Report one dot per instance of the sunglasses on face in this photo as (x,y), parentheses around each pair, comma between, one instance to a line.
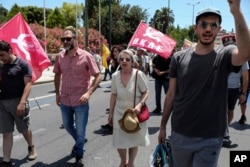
(204,25)
(126,59)
(67,39)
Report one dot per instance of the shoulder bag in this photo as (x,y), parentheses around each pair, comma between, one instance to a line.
(144,113)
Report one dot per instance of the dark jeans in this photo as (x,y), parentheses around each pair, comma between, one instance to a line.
(159,83)
(107,72)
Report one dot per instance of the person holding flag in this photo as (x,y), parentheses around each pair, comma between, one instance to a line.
(15,86)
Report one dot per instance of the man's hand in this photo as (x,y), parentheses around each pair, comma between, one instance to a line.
(58,99)
(234,5)
(20,109)
(162,136)
(84,98)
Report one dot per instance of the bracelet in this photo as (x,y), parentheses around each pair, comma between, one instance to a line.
(243,94)
(142,103)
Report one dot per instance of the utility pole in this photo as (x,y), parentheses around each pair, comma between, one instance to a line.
(110,24)
(86,24)
(193,17)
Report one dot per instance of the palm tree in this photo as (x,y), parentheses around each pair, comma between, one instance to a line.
(163,19)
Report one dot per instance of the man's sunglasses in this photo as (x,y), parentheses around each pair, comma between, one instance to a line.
(67,39)
(126,59)
(204,25)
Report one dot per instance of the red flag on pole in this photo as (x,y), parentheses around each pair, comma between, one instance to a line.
(153,40)
(25,44)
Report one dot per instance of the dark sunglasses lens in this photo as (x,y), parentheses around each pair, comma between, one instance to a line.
(203,25)
(67,39)
(126,59)
(213,25)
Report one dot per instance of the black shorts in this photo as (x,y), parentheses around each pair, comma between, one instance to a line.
(233,95)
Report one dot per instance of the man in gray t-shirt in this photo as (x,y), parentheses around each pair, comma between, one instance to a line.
(197,94)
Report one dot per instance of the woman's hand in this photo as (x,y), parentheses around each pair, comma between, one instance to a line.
(110,120)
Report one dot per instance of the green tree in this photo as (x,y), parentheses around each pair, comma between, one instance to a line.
(162,19)
(14,10)
(132,17)
(124,21)
(72,13)
(179,35)
(33,14)
(56,19)
(3,14)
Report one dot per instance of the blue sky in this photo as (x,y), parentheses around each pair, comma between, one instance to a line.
(183,12)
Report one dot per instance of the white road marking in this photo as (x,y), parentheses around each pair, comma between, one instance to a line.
(20,136)
(41,106)
(41,97)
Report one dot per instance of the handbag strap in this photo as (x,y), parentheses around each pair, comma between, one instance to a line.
(135,86)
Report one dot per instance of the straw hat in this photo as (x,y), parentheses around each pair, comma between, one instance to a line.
(129,122)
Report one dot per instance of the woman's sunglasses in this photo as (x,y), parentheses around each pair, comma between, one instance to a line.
(126,59)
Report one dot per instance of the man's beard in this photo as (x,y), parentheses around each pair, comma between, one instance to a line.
(70,47)
(207,43)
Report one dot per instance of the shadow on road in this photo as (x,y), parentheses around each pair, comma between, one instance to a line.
(62,162)
(238,126)
(103,132)
(153,130)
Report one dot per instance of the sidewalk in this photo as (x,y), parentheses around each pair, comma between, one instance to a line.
(47,76)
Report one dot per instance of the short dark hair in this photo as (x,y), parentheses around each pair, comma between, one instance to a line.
(4,46)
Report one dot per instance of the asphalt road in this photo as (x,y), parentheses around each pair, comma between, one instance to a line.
(54,145)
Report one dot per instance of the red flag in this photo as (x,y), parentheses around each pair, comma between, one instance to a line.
(153,40)
(25,44)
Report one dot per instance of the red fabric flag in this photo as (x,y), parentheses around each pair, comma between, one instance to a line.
(153,40)
(25,44)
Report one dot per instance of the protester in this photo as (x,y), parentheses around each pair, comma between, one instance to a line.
(75,67)
(113,61)
(234,93)
(160,74)
(141,59)
(15,86)
(114,66)
(95,52)
(243,105)
(236,89)
(107,72)
(197,94)
(122,98)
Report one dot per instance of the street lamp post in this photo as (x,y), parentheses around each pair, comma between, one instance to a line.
(44,20)
(193,17)
(168,15)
